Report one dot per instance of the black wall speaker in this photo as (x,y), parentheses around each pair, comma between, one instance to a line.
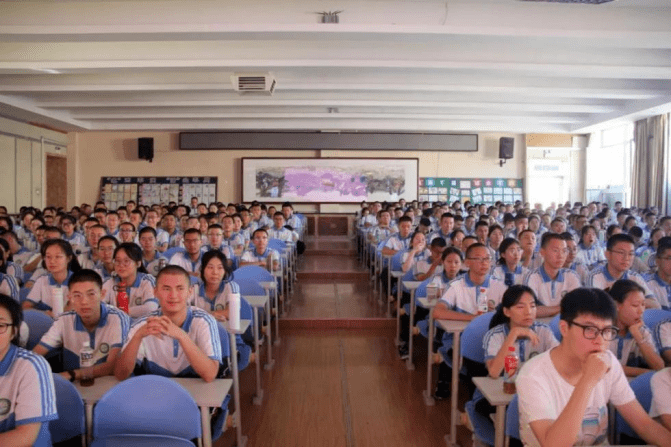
(506,148)
(145,148)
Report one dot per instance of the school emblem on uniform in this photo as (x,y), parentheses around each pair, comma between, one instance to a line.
(5,406)
(138,300)
(219,307)
(104,348)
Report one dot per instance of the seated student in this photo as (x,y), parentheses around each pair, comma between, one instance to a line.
(446,227)
(91,321)
(126,232)
(635,347)
(563,393)
(645,254)
(26,385)
(396,242)
(551,281)
(175,341)
(590,252)
(457,239)
(290,218)
(88,256)
(169,225)
(495,236)
(572,263)
(8,284)
(134,279)
(77,240)
(433,264)
(191,258)
(152,259)
(60,262)
(162,238)
(660,281)
(508,268)
(660,408)
(278,231)
(20,255)
(482,232)
(619,257)
(215,237)
(13,269)
(382,230)
(105,265)
(416,252)
(230,237)
(259,254)
(531,259)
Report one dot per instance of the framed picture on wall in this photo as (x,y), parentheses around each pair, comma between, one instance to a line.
(329,180)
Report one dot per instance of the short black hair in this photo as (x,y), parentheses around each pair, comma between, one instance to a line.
(623,287)
(438,242)
(15,313)
(86,275)
(550,236)
(147,230)
(172,269)
(404,219)
(587,301)
(473,247)
(617,238)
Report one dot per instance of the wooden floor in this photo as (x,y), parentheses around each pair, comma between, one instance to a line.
(340,387)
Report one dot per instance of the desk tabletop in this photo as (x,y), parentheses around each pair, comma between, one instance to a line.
(244,324)
(412,285)
(205,394)
(256,300)
(425,302)
(268,284)
(452,325)
(492,389)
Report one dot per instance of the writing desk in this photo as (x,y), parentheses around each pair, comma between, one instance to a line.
(259,302)
(492,390)
(428,397)
(412,286)
(272,285)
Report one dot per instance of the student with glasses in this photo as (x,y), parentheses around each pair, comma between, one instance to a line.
(634,347)
(508,268)
(105,265)
(564,393)
(132,276)
(26,385)
(620,253)
(551,281)
(126,232)
(660,281)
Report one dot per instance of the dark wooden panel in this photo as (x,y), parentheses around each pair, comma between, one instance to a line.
(311,225)
(57,181)
(332,226)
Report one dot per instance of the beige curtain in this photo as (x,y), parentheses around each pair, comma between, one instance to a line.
(650,170)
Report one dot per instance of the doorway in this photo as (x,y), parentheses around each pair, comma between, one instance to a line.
(57,181)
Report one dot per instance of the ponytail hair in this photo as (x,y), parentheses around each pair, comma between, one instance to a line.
(510,298)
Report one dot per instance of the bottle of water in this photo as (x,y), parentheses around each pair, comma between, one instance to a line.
(511,364)
(86,363)
(122,297)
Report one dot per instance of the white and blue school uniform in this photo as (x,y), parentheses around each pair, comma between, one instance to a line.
(76,240)
(602,279)
(646,256)
(141,300)
(184,260)
(295,222)
(496,336)
(220,302)
(100,269)
(463,296)
(15,270)
(27,393)
(380,234)
(41,293)
(175,239)
(252,256)
(549,292)
(283,234)
(503,273)
(22,256)
(395,242)
(436,234)
(165,357)
(628,351)
(662,335)
(68,332)
(660,289)
(225,249)
(9,286)
(162,237)
(244,234)
(239,239)
(590,256)
(153,266)
(420,263)
(581,269)
(535,261)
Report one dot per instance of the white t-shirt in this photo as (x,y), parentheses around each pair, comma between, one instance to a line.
(661,393)
(543,394)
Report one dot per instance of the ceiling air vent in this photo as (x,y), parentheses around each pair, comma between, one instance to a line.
(254,83)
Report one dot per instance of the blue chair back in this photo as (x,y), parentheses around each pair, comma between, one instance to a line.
(277,244)
(254,272)
(471,339)
(397,262)
(652,317)
(408,276)
(142,441)
(421,290)
(554,325)
(70,422)
(38,323)
(513,419)
(641,387)
(170,252)
(250,287)
(23,294)
(225,342)
(147,405)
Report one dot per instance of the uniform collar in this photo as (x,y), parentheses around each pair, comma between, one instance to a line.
(52,281)
(79,324)
(9,359)
(546,277)
(469,283)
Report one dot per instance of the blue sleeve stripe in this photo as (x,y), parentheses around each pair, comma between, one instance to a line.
(43,371)
(214,331)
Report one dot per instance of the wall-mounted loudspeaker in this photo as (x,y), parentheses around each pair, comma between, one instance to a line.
(145,149)
(506,148)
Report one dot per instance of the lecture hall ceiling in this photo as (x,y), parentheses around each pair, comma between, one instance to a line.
(455,66)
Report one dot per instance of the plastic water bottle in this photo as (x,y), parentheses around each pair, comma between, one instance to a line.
(511,364)
(56,300)
(86,364)
(234,312)
(483,307)
(122,297)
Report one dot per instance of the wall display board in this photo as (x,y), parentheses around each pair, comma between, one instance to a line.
(477,190)
(329,180)
(116,191)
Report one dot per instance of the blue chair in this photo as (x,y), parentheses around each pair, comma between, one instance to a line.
(554,325)
(423,325)
(254,272)
(142,441)
(513,419)
(70,422)
(147,405)
(23,294)
(170,252)
(39,323)
(225,342)
(652,317)
(641,387)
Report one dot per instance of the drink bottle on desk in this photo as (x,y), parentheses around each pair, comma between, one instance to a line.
(511,364)
(86,363)
(122,297)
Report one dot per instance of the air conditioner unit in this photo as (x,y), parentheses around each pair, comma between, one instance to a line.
(254,83)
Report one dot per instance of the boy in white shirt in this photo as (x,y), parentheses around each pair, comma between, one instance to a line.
(563,393)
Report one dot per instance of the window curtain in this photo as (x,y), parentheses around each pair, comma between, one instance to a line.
(650,170)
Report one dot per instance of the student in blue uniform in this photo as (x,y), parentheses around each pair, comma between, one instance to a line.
(660,281)
(508,268)
(8,284)
(26,385)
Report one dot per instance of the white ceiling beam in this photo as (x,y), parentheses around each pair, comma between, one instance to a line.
(562,108)
(28,111)
(633,112)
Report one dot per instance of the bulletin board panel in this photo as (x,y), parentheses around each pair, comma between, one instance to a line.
(477,190)
(116,191)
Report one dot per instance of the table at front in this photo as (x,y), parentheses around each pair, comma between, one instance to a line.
(454,327)
(206,395)
(492,390)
